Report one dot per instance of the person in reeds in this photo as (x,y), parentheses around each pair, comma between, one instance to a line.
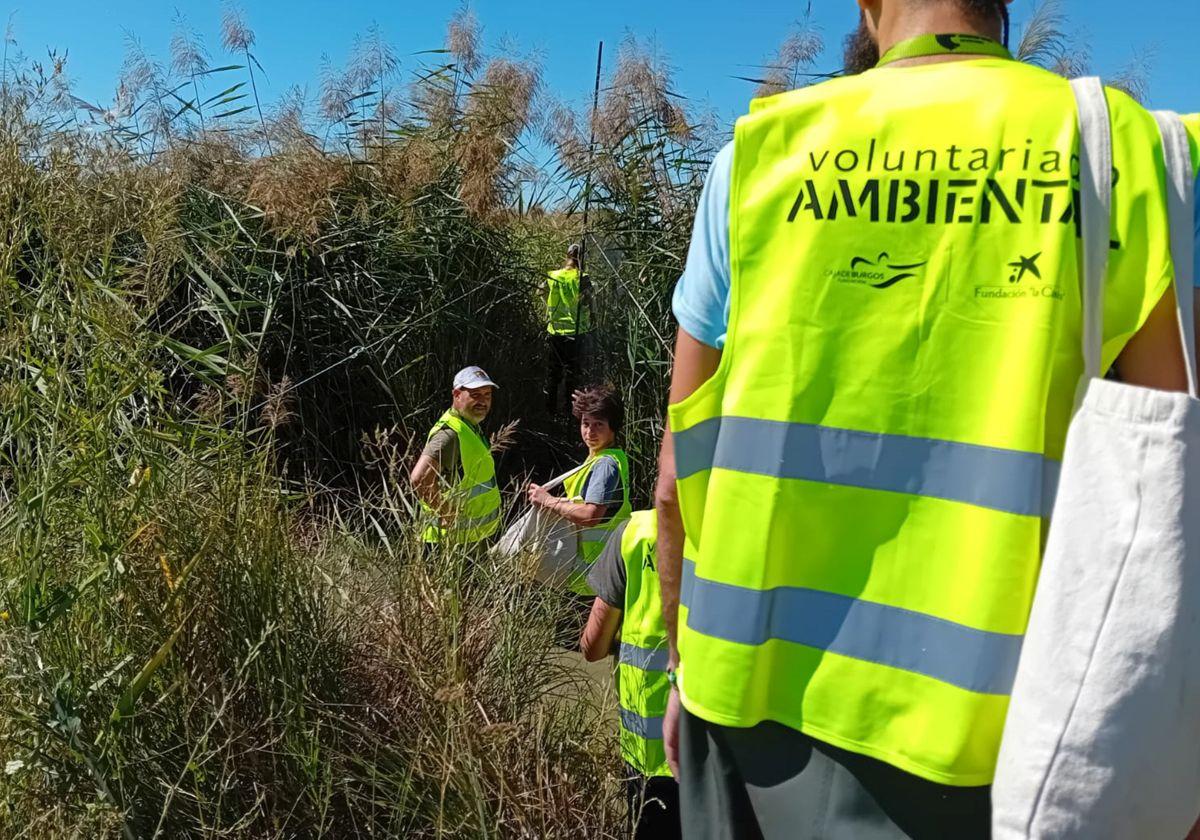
(567,321)
(455,477)
(596,496)
(629,603)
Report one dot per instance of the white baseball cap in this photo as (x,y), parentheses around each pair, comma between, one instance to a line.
(473,377)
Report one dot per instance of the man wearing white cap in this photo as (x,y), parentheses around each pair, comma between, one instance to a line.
(455,477)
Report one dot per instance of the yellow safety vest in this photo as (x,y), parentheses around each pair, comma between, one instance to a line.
(865,482)
(1192,123)
(564,307)
(475,496)
(593,538)
(642,684)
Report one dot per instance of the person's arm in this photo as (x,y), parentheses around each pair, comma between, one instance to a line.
(600,630)
(1196,302)
(1196,321)
(583,514)
(701,306)
(602,489)
(607,580)
(695,364)
(424,478)
(426,475)
(1153,358)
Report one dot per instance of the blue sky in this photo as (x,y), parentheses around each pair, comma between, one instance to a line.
(708,43)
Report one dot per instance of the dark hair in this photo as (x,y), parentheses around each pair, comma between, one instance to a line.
(601,401)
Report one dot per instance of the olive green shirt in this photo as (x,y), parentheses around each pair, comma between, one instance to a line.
(443,449)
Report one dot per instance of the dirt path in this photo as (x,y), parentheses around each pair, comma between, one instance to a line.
(594,679)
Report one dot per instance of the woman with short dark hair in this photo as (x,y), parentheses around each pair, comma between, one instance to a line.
(597,494)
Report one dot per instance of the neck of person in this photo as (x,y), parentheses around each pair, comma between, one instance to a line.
(900,22)
(462,415)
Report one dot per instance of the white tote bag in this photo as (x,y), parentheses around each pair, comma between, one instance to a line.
(551,540)
(1102,739)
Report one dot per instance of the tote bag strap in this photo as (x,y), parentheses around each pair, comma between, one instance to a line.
(559,480)
(1181,206)
(1095,198)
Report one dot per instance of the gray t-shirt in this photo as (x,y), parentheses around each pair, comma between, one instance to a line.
(607,575)
(603,487)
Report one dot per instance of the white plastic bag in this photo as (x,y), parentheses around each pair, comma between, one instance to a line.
(550,540)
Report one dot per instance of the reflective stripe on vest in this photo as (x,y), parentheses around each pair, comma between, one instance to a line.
(480,489)
(647,728)
(593,538)
(953,653)
(866,481)
(473,522)
(642,686)
(1017,482)
(645,659)
(475,496)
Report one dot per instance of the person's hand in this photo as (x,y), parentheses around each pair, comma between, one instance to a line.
(539,496)
(671,731)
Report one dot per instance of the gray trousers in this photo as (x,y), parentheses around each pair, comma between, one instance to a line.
(770,781)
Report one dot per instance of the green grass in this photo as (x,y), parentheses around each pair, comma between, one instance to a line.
(223,340)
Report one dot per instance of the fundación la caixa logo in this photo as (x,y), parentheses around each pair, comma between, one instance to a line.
(1024,281)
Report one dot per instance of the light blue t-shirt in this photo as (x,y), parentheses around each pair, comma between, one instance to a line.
(701,300)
